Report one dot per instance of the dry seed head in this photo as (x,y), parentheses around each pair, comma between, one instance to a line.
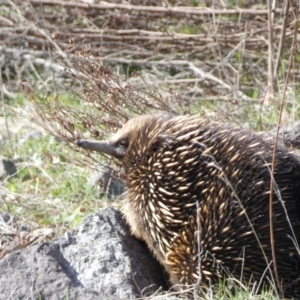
(193,183)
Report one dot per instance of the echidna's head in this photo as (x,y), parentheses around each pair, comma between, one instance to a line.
(137,130)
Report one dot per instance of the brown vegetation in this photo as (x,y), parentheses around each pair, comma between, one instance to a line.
(176,57)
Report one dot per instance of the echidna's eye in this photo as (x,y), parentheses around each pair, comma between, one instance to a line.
(120,148)
(123,143)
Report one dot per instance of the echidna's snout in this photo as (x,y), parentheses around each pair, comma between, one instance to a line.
(98,146)
(114,149)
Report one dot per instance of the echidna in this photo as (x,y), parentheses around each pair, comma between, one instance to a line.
(198,188)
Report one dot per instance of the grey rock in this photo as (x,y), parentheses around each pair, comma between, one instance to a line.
(7,168)
(98,260)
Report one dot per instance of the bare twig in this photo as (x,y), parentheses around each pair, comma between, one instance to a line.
(205,75)
(279,285)
(199,252)
(282,35)
(271,85)
(159,9)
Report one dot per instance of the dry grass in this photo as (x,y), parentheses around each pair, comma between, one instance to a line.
(87,71)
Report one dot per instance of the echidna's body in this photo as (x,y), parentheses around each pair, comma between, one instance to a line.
(178,165)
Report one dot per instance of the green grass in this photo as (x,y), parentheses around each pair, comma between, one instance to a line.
(55,190)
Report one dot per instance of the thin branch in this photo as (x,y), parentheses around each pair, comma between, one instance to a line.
(279,285)
(208,76)
(158,9)
(270,49)
(282,35)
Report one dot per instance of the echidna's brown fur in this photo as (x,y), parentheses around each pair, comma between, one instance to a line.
(177,166)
